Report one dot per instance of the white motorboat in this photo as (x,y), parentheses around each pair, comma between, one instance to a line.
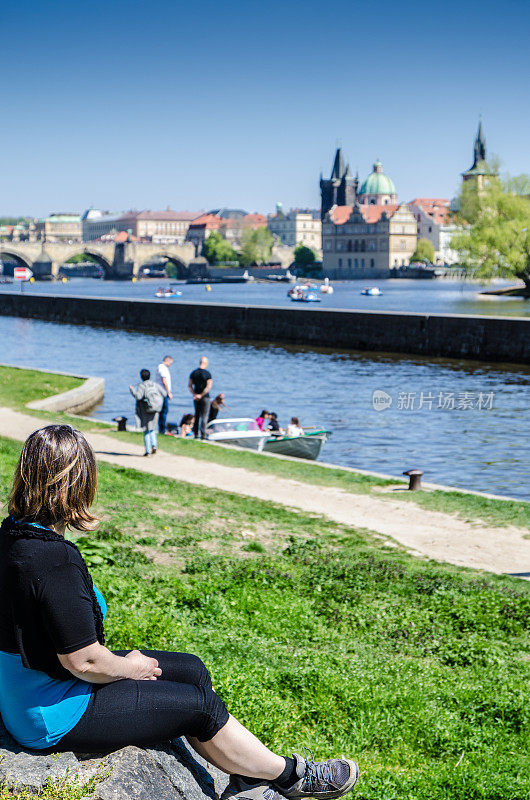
(372,291)
(242,432)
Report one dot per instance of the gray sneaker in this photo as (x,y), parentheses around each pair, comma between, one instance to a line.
(240,789)
(324,779)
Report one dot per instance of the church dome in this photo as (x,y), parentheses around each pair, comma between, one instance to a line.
(377,182)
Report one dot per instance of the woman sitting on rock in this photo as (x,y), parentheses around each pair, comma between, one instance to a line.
(62,689)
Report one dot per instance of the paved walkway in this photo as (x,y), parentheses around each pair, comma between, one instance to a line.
(443,537)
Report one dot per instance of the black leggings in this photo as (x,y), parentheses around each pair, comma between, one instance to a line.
(179,703)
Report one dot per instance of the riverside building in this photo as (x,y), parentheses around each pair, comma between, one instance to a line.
(372,234)
(63,227)
(298,226)
(160,227)
(433,218)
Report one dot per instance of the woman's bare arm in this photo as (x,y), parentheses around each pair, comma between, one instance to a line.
(97,664)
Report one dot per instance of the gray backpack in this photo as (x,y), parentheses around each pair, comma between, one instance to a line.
(153,398)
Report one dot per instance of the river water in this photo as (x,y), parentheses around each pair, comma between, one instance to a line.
(431,296)
(464,423)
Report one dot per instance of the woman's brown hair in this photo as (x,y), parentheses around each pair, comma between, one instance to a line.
(55,479)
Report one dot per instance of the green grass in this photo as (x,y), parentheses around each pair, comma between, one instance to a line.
(466,506)
(318,635)
(21,386)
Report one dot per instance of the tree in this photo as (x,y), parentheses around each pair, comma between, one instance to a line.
(496,240)
(217,250)
(81,258)
(424,251)
(256,246)
(304,256)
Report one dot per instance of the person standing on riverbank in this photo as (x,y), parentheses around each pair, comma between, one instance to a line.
(149,398)
(199,384)
(163,379)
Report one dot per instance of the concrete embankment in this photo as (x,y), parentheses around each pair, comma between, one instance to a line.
(500,339)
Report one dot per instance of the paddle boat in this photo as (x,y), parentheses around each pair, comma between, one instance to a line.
(307,446)
(326,287)
(167,292)
(303,294)
(371,291)
(240,432)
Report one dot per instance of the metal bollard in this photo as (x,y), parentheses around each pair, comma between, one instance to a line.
(122,423)
(415,478)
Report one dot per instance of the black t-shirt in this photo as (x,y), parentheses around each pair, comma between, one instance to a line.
(46,603)
(199,378)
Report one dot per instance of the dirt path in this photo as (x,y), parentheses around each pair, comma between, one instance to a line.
(440,536)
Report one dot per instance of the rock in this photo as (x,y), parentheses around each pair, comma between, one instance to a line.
(30,772)
(169,771)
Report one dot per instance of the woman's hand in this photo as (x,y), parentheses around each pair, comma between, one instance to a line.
(144,667)
(98,664)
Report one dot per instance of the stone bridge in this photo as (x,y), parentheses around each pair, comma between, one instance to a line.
(120,261)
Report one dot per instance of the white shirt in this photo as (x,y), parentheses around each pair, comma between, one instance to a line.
(294,430)
(162,371)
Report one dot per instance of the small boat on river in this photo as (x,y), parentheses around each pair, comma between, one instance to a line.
(167,292)
(241,432)
(326,287)
(303,294)
(307,446)
(371,291)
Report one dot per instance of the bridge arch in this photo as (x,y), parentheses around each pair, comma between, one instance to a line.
(13,255)
(103,262)
(181,266)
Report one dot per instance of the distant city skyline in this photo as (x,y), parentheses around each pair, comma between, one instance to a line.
(128,105)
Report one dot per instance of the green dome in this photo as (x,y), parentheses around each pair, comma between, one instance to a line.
(377,182)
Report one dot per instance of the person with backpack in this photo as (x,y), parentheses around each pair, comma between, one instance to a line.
(149,398)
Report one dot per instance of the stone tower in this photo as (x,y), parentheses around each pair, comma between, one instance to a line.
(340,189)
(479,170)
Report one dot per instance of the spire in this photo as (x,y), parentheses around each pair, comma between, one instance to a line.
(480,145)
(338,166)
(479,148)
(348,172)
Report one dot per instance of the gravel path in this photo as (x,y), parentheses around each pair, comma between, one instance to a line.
(443,537)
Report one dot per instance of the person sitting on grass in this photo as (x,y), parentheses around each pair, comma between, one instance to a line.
(61,688)
(150,398)
(186,425)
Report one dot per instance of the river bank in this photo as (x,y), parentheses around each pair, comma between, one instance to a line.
(466,530)
(323,387)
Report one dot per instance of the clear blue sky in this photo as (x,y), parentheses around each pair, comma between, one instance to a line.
(195,105)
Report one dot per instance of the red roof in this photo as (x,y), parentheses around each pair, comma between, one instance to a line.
(437,207)
(248,221)
(371,213)
(340,214)
(207,220)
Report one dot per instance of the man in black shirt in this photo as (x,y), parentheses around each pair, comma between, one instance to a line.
(199,384)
